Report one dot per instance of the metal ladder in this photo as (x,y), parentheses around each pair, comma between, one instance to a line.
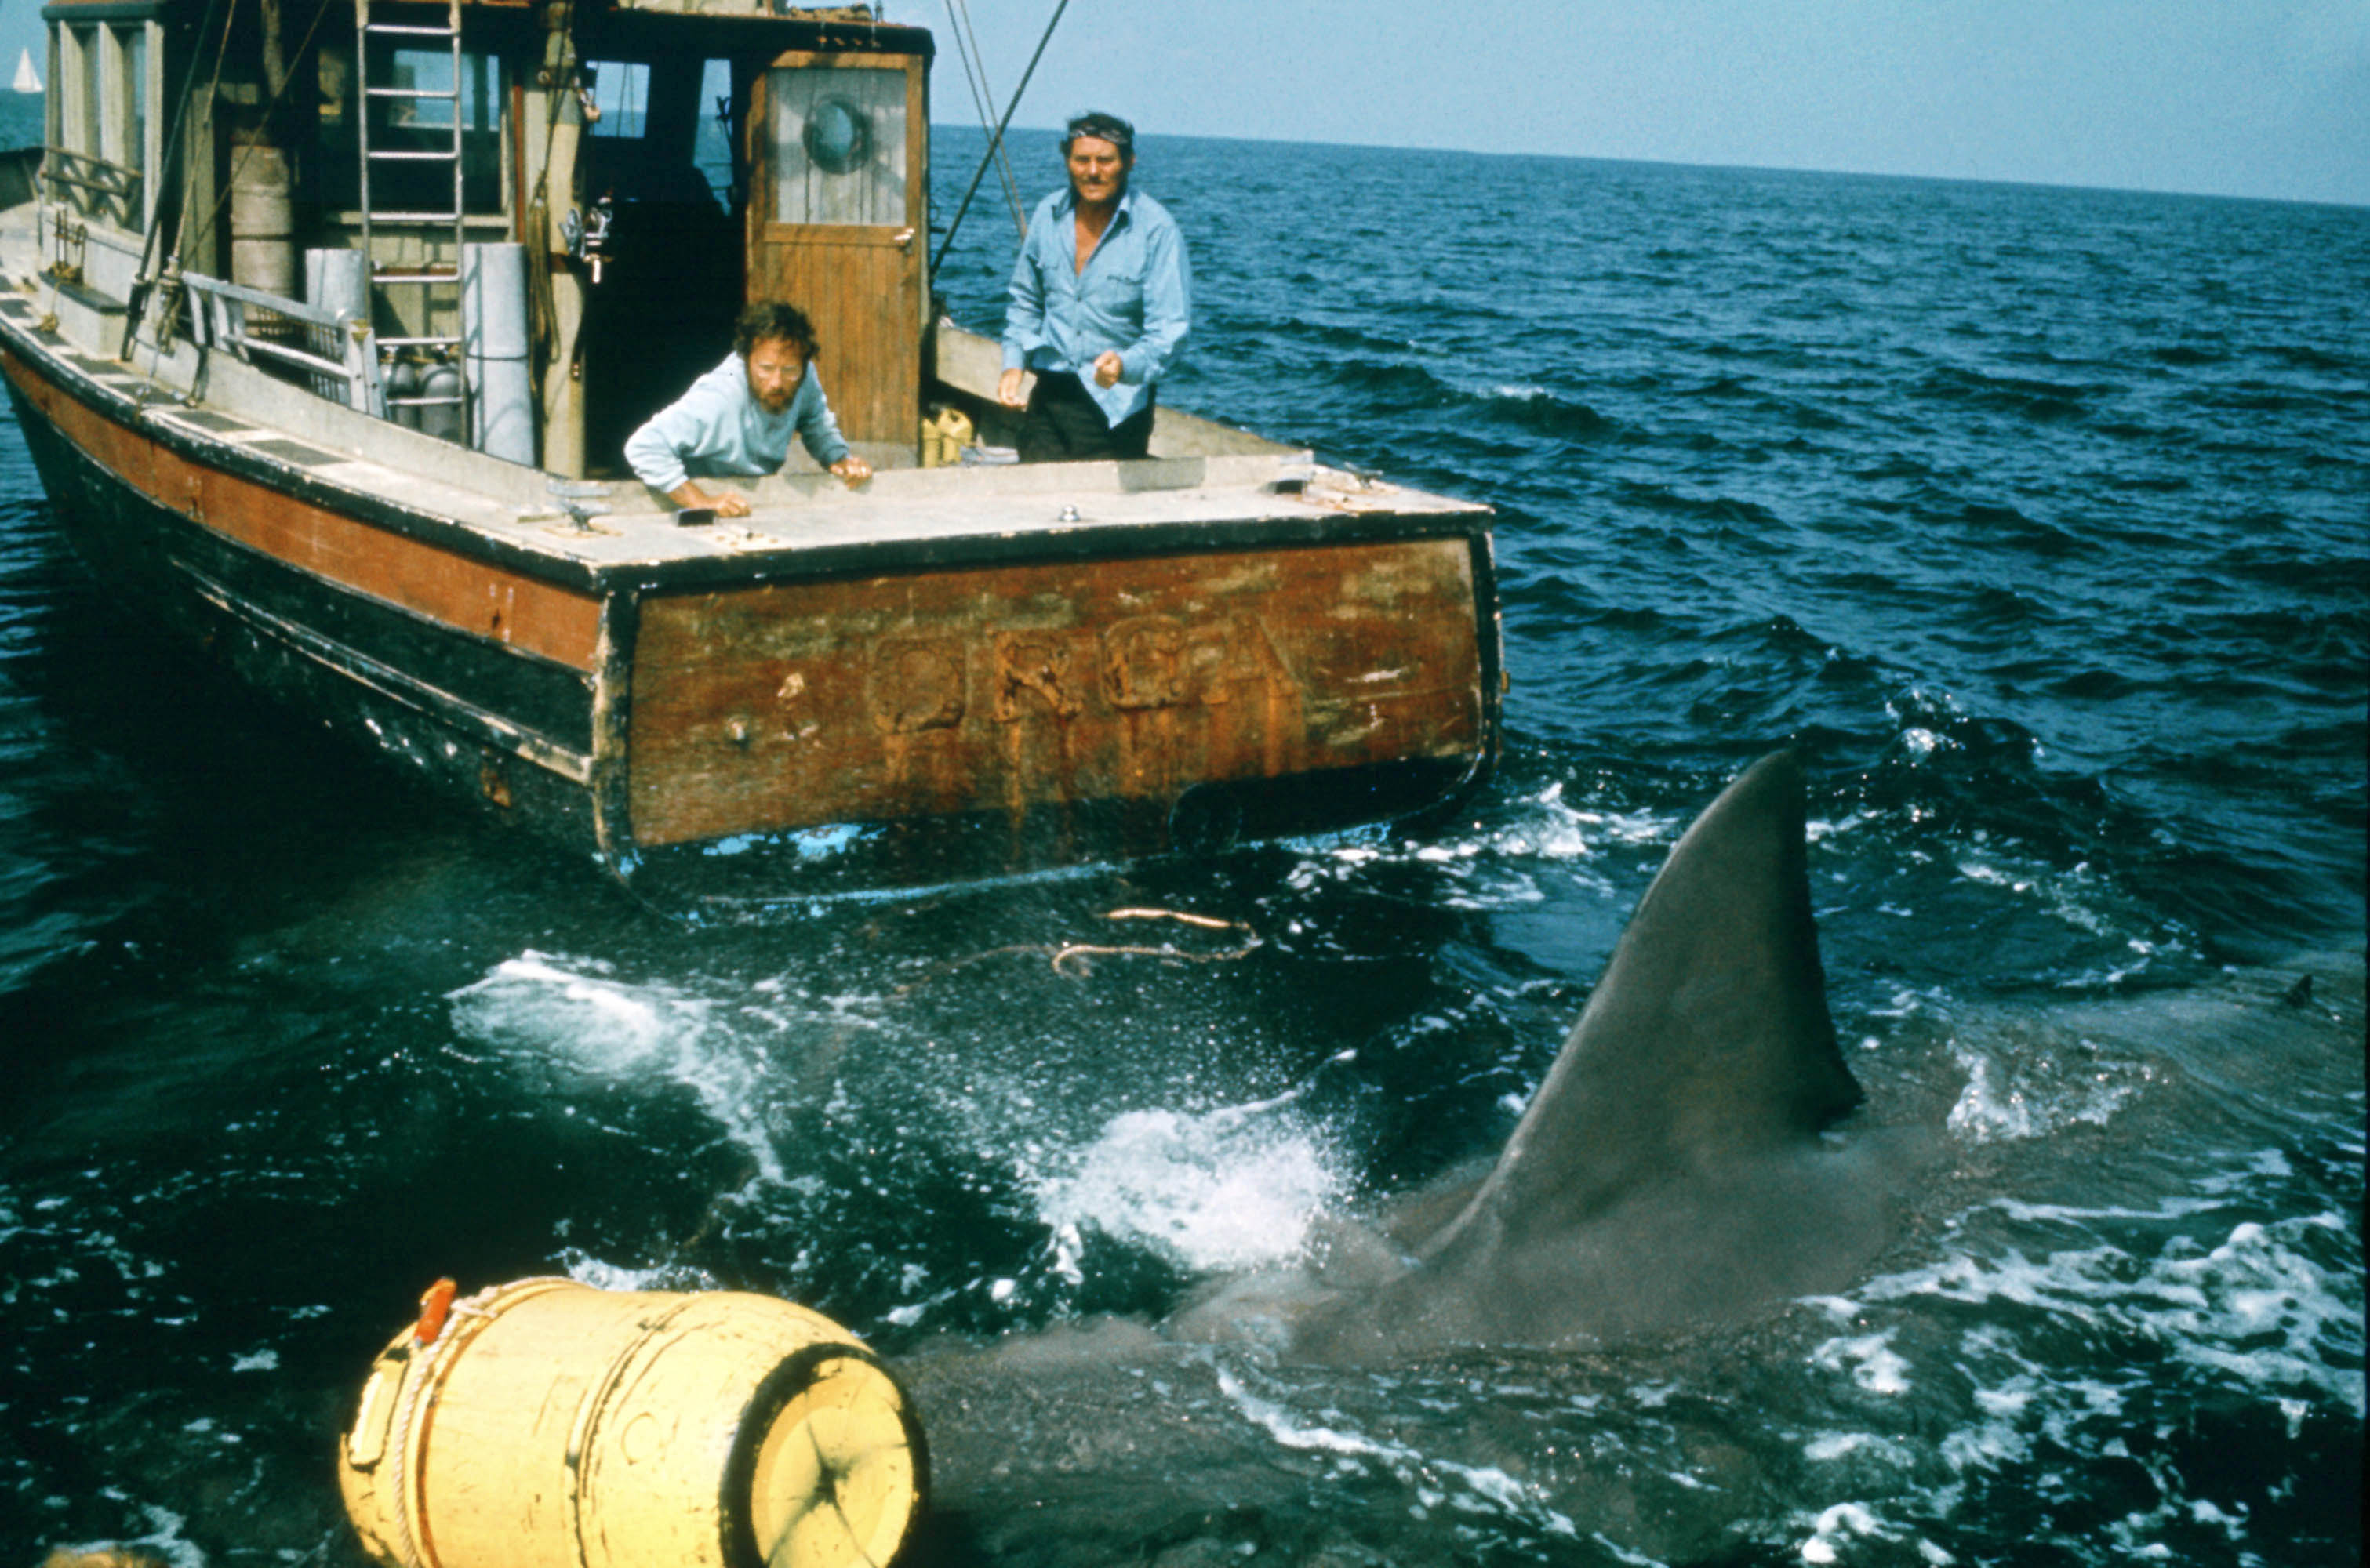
(435,285)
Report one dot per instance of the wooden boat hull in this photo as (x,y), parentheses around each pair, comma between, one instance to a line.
(358,624)
(981,706)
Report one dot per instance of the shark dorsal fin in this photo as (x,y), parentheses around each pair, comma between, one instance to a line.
(1708,1037)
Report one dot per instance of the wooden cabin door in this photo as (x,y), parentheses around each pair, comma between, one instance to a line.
(839,224)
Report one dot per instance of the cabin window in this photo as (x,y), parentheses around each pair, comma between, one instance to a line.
(839,145)
(92,79)
(134,75)
(621,96)
(421,126)
(99,121)
(712,147)
(656,137)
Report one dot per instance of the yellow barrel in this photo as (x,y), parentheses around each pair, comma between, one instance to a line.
(548,1424)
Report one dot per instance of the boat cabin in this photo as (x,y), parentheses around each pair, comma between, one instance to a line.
(663,160)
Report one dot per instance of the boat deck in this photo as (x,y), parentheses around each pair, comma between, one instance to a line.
(217,410)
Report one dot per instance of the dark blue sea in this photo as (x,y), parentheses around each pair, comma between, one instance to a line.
(2038,518)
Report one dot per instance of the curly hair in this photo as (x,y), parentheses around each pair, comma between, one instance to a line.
(771,318)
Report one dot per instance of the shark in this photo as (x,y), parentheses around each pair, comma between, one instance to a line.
(1691,1155)
(1686,1157)
(1698,1157)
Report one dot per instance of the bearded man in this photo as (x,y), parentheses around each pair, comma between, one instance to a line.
(739,418)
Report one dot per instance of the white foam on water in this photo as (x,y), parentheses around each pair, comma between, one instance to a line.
(1830,1446)
(1227,1189)
(1844,1526)
(1485,864)
(2073,896)
(1553,828)
(1873,1363)
(601,1275)
(2257,1309)
(163,1539)
(1837,1526)
(1624,1555)
(1485,1489)
(2262,1164)
(576,1013)
(1986,1445)
(2027,1096)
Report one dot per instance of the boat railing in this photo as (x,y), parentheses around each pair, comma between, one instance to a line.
(337,350)
(94,187)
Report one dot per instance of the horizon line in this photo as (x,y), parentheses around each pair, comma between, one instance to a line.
(2352,204)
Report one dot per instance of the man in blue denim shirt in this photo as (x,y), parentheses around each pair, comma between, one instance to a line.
(1099,301)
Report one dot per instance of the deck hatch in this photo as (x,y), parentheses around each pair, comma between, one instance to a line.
(297,452)
(207,419)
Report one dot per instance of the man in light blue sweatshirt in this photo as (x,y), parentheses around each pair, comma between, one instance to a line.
(739,418)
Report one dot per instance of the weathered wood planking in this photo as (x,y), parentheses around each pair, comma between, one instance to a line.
(1015,688)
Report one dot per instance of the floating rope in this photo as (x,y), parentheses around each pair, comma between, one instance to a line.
(1062,953)
(288,78)
(141,283)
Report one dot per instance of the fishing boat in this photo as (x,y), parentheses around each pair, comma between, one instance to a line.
(327,321)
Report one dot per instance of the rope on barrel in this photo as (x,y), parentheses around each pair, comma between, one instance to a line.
(430,1348)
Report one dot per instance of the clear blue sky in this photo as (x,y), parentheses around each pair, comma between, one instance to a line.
(2238,98)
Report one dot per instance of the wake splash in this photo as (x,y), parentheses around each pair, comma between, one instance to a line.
(576,1015)
(1202,1190)
(1222,1190)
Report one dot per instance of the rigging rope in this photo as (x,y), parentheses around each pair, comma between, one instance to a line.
(269,109)
(982,98)
(141,282)
(542,302)
(996,140)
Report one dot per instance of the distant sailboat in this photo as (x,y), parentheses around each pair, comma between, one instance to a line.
(27,82)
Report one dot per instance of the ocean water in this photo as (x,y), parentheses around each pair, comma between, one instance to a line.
(2036,517)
